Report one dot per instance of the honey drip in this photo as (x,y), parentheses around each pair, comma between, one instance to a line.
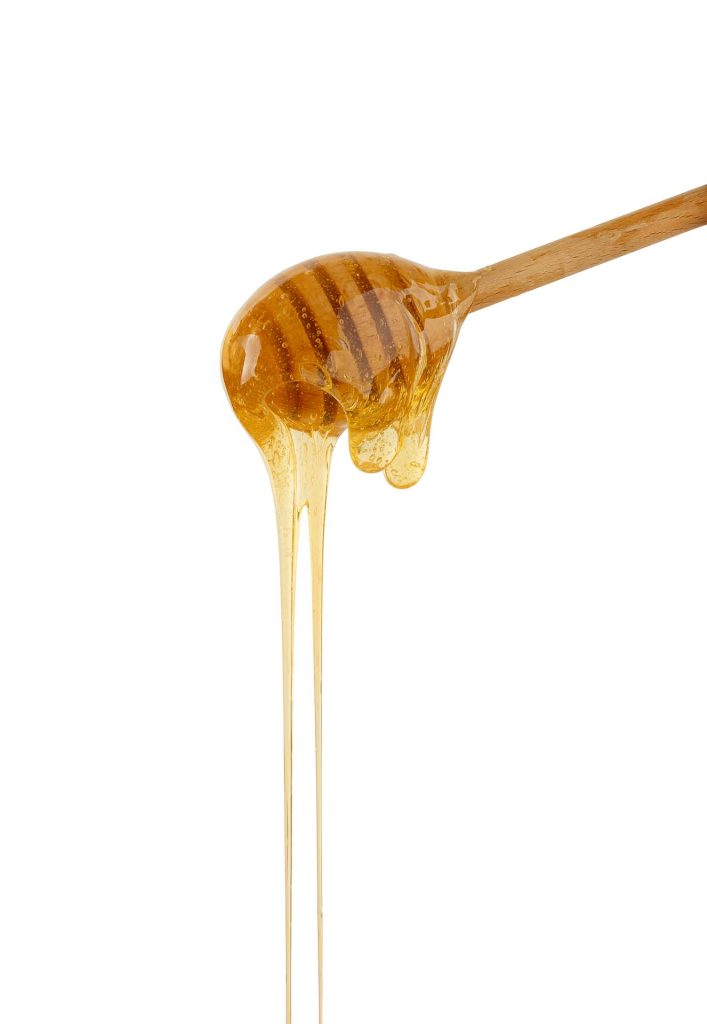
(358,341)
(297,483)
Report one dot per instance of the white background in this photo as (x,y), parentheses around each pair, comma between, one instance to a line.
(515,657)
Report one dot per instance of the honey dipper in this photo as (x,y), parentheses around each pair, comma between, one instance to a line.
(362,340)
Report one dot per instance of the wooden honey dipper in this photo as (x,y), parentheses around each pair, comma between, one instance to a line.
(362,340)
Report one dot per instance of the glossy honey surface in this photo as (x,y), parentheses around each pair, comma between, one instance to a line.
(355,340)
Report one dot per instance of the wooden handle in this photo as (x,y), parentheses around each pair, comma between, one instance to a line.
(589,248)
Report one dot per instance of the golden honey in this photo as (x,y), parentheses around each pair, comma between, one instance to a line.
(358,341)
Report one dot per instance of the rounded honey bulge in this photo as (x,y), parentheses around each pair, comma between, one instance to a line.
(353,340)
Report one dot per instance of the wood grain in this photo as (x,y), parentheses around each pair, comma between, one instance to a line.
(591,247)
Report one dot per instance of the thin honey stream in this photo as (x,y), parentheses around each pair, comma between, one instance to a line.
(299,484)
(355,341)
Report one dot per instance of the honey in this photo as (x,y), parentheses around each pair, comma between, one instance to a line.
(357,341)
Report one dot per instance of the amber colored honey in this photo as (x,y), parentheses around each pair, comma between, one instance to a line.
(354,341)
